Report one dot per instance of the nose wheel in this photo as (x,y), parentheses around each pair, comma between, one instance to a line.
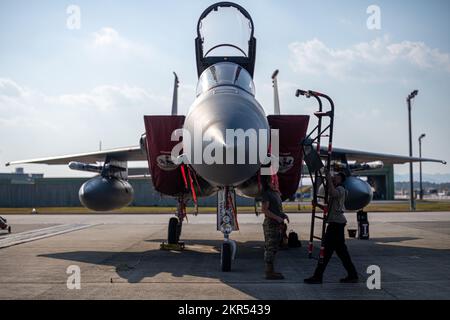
(227,255)
(226,223)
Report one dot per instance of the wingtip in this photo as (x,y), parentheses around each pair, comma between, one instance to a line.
(7,164)
(444,162)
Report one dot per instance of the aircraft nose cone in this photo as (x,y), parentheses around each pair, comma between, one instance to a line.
(228,153)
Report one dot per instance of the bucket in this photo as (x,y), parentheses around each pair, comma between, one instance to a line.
(352,233)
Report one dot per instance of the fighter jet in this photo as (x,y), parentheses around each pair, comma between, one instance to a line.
(222,146)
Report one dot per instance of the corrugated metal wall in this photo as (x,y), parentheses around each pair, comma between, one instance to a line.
(63,192)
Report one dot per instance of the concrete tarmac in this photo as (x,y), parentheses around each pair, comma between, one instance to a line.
(119,258)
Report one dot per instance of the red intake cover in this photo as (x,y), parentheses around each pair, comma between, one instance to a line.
(292,129)
(166,176)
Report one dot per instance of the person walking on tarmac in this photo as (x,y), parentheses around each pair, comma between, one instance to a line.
(334,239)
(274,218)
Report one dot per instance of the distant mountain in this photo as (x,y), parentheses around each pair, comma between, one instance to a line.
(426,177)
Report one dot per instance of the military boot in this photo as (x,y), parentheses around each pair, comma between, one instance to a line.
(272,275)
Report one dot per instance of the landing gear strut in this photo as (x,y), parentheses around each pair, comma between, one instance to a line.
(226,223)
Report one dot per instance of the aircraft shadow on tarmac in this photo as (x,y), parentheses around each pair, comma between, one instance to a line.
(200,258)
(199,262)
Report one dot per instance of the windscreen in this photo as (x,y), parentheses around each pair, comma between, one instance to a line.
(225,73)
(225,32)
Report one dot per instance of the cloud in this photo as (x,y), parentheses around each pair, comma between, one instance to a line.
(36,124)
(21,104)
(372,61)
(107,37)
(109,43)
(419,54)
(107,98)
(9,88)
(102,97)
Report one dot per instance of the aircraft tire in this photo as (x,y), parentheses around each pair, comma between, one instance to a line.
(225,257)
(174,231)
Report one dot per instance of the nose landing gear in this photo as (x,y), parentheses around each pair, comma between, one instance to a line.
(227,223)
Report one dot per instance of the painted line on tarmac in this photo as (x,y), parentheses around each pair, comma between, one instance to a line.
(32,235)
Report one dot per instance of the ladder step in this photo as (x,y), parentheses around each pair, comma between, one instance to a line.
(317,238)
(317,217)
(323,114)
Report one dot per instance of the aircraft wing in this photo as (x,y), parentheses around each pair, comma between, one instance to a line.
(121,154)
(364,156)
(135,153)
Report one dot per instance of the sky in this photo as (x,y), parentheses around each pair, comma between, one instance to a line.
(64,89)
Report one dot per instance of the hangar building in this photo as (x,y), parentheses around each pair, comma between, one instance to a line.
(23,190)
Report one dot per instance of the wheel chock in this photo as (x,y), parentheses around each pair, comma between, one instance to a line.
(172,247)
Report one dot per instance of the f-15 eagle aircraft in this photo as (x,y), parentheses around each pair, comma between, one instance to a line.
(225,103)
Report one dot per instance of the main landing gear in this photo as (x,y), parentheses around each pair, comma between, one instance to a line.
(176,223)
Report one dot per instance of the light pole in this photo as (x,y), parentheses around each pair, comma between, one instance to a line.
(412,204)
(420,164)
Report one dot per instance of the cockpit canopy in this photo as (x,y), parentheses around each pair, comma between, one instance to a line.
(225,74)
(225,33)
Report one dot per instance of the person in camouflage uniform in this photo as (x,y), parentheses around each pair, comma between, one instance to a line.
(334,238)
(274,218)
